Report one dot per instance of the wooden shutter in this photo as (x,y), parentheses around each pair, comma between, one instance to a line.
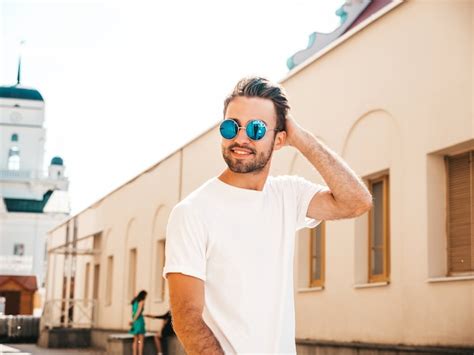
(379,230)
(317,252)
(460,214)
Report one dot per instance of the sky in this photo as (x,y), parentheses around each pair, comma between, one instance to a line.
(126,83)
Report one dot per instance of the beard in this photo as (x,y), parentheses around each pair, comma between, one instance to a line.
(253,164)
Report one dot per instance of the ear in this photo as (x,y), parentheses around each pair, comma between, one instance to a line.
(280,140)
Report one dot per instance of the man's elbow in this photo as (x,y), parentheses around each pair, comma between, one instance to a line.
(363,207)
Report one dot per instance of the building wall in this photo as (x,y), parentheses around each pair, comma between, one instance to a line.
(391,98)
(202,158)
(132,217)
(394,97)
(30,230)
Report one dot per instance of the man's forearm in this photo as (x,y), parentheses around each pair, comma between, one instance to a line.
(346,187)
(197,337)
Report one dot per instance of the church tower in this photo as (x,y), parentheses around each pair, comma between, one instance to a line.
(32,201)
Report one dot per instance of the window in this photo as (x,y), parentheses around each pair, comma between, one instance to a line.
(87,282)
(160,262)
(19,249)
(97,241)
(95,291)
(132,273)
(14,158)
(110,274)
(379,251)
(14,137)
(460,213)
(317,255)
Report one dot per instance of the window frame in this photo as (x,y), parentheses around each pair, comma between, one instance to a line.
(159,266)
(14,159)
(17,247)
(385,276)
(87,272)
(132,272)
(109,282)
(447,160)
(317,282)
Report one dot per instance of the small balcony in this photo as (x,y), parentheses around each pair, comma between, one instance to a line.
(16,265)
(26,175)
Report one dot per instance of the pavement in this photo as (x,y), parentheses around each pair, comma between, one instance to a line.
(33,349)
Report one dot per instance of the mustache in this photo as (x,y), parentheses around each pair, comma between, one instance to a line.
(240,146)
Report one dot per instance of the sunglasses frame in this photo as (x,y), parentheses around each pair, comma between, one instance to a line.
(239,127)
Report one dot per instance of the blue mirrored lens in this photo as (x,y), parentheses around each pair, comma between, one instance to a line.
(256,129)
(229,129)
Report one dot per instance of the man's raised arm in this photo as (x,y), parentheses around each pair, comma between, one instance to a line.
(347,197)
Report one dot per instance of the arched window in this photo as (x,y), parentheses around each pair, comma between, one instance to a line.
(14,137)
(14,158)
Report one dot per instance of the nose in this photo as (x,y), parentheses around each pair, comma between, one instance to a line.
(241,136)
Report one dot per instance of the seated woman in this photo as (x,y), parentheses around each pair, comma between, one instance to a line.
(166,330)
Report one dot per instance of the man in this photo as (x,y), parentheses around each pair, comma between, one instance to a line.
(230,243)
(165,331)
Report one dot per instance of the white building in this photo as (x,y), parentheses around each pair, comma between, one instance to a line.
(31,201)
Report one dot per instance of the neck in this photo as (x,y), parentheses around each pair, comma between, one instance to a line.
(251,181)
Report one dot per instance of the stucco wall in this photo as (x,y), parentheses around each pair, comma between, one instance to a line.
(388,99)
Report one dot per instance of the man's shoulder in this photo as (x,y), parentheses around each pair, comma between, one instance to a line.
(283,179)
(194,207)
(291,184)
(198,197)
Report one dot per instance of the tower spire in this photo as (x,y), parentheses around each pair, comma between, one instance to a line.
(18,76)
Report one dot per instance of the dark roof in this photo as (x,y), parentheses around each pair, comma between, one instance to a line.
(57,161)
(373,7)
(27,282)
(351,15)
(20,92)
(24,205)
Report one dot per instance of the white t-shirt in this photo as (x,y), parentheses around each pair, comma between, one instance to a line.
(241,243)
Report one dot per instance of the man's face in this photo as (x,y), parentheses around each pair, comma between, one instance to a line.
(242,154)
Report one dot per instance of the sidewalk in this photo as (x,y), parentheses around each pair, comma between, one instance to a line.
(27,349)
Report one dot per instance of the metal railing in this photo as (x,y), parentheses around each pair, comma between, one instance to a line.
(22,174)
(19,327)
(73,313)
(25,175)
(16,264)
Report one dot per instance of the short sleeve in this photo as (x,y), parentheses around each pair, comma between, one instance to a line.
(186,240)
(305,191)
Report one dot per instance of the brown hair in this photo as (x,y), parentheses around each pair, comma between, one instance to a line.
(261,87)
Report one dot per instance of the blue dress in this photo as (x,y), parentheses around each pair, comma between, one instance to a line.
(138,326)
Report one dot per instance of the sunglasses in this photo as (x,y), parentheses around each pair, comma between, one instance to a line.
(255,129)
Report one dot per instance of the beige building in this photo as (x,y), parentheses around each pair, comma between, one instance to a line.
(393,97)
